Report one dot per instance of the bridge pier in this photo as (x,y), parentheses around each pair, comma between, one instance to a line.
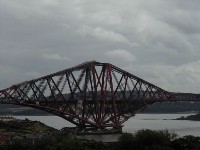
(93,130)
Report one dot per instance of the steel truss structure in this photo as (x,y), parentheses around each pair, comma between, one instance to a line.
(92,95)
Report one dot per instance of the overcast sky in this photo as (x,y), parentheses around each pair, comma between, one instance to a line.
(156,40)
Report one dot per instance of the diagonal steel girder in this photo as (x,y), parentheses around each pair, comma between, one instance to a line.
(92,94)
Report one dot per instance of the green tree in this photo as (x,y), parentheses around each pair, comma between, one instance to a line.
(71,143)
(126,142)
(188,142)
(146,139)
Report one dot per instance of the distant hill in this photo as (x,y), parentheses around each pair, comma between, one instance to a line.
(173,107)
(8,109)
(165,107)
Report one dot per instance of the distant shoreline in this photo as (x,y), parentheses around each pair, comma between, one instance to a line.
(195,117)
(49,114)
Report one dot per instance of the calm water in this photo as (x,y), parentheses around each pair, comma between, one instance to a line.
(156,122)
(140,121)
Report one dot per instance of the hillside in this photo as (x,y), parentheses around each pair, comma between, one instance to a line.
(173,107)
(165,107)
(24,126)
(7,109)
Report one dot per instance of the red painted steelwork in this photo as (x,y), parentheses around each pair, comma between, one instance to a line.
(90,95)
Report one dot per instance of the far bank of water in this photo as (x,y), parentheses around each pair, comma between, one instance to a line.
(162,122)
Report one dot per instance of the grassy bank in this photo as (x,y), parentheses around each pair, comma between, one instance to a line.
(26,126)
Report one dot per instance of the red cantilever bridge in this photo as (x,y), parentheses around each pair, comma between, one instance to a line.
(92,95)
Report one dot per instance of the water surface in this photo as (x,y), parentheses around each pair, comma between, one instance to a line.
(138,122)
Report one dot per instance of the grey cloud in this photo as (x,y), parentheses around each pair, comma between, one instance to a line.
(156,40)
(121,54)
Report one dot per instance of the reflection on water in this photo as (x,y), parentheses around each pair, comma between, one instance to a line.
(140,121)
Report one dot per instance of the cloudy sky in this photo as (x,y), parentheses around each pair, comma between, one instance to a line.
(156,40)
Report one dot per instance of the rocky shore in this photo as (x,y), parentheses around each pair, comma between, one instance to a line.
(195,117)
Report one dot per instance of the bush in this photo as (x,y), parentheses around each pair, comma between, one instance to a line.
(71,143)
(188,142)
(126,141)
(146,140)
